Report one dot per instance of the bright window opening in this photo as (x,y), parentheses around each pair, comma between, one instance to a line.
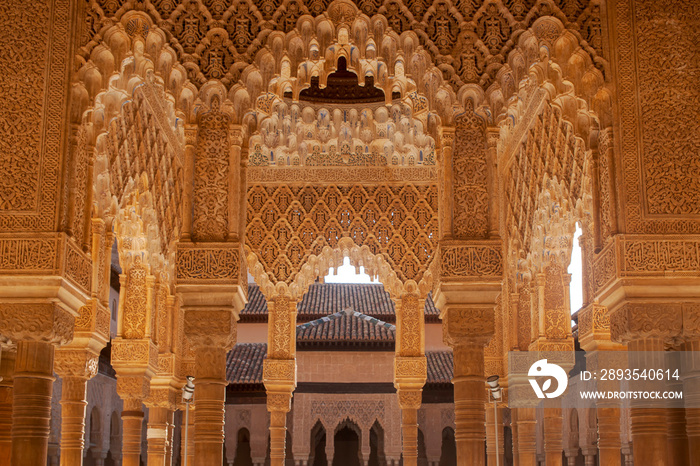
(576,271)
(346,274)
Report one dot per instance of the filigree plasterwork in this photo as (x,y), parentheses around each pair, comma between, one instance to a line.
(36,322)
(470,201)
(35,67)
(290,227)
(452,56)
(658,181)
(279,370)
(210,220)
(336,136)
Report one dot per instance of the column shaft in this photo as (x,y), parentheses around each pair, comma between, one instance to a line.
(278,437)
(132,425)
(7,369)
(210,396)
(648,419)
(73,404)
(677,437)
(553,432)
(409,433)
(157,435)
(31,413)
(469,395)
(527,436)
(609,443)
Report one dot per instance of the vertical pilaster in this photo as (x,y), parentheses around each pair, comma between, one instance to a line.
(159,421)
(648,419)
(132,426)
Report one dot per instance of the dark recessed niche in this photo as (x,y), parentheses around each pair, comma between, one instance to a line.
(342,87)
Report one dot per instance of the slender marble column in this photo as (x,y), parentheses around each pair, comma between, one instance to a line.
(75,367)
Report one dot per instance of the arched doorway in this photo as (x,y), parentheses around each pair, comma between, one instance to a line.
(422,453)
(243,457)
(376,445)
(93,449)
(318,446)
(449,448)
(346,444)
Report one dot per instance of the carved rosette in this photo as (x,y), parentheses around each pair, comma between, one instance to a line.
(45,322)
(639,321)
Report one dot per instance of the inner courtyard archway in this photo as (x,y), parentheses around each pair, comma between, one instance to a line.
(231,152)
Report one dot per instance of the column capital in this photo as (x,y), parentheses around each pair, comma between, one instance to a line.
(468,324)
(279,401)
(43,322)
(638,321)
(410,371)
(133,387)
(215,328)
(162,397)
(74,362)
(279,371)
(410,398)
(594,328)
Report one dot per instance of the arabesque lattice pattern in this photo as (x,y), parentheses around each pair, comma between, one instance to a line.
(286,224)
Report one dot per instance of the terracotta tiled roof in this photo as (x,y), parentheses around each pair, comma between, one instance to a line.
(244,363)
(440,367)
(256,309)
(323,299)
(346,328)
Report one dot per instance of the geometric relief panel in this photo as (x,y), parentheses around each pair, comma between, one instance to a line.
(286,224)
(34,44)
(668,46)
(466,38)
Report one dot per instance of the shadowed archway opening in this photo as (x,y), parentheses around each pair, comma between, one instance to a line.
(318,446)
(243,457)
(448,456)
(376,445)
(346,444)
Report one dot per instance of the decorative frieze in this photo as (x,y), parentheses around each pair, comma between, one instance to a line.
(471,260)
